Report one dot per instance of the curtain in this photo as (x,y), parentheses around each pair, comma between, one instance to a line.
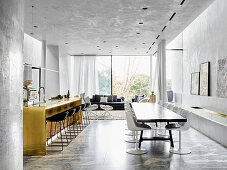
(84,78)
(159,78)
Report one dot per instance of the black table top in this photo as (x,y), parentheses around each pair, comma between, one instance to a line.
(152,112)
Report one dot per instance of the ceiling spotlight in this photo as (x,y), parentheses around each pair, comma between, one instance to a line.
(104,41)
(157,36)
(31,33)
(144,43)
(35,26)
(97,46)
(99,49)
(141,23)
(145,8)
(66,43)
(153,43)
(116,46)
(137,33)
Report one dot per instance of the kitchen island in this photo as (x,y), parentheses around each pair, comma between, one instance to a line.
(35,127)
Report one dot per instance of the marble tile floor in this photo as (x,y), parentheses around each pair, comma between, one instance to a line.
(102,146)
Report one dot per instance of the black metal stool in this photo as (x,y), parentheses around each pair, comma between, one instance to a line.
(75,115)
(59,118)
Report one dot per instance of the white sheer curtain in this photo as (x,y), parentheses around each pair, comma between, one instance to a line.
(84,78)
(159,78)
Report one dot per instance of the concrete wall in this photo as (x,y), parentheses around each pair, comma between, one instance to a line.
(11,83)
(205,39)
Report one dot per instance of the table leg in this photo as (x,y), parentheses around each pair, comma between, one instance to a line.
(171,138)
(141,138)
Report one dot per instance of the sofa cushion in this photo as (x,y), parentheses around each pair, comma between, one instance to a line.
(109,98)
(97,97)
(114,98)
(103,99)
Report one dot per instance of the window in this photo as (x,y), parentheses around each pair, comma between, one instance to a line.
(130,76)
(103,67)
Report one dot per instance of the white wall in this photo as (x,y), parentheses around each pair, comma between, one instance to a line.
(52,71)
(32,55)
(64,71)
(205,39)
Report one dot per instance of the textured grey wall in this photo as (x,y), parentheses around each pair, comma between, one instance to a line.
(11,69)
(205,40)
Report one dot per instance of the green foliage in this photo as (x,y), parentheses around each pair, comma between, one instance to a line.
(104,82)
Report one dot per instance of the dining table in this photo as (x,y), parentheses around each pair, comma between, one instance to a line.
(154,113)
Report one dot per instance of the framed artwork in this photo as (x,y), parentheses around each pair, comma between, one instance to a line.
(222,78)
(195,83)
(204,86)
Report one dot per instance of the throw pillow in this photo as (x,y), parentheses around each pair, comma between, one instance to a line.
(109,98)
(103,99)
(114,98)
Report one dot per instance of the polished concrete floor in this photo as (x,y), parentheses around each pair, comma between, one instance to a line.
(102,146)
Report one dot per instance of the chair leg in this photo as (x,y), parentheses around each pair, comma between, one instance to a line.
(180,150)
(136,150)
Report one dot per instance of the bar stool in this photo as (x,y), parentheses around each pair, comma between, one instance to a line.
(75,118)
(59,118)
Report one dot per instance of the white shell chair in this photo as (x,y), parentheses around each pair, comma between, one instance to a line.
(90,108)
(132,133)
(160,102)
(133,125)
(82,96)
(165,105)
(170,107)
(180,126)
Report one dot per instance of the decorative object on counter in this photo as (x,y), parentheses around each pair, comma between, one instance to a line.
(68,94)
(222,78)
(195,83)
(57,97)
(204,79)
(152,97)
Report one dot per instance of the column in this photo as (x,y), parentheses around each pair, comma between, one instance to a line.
(11,84)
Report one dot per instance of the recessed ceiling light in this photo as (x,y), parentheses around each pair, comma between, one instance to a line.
(32,33)
(141,23)
(97,46)
(145,8)
(99,49)
(144,43)
(157,36)
(116,46)
(135,48)
(104,41)
(137,33)
(35,26)
(153,43)
(66,43)
(109,52)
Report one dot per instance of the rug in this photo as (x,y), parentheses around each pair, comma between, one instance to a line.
(114,115)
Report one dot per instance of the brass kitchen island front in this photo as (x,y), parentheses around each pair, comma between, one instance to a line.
(35,128)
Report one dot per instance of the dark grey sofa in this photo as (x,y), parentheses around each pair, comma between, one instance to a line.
(112,100)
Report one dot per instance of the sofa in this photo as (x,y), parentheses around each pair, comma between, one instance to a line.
(138,98)
(112,100)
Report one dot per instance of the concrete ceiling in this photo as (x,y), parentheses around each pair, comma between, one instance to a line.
(105,27)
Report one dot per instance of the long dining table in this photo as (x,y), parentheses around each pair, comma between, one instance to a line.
(152,112)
